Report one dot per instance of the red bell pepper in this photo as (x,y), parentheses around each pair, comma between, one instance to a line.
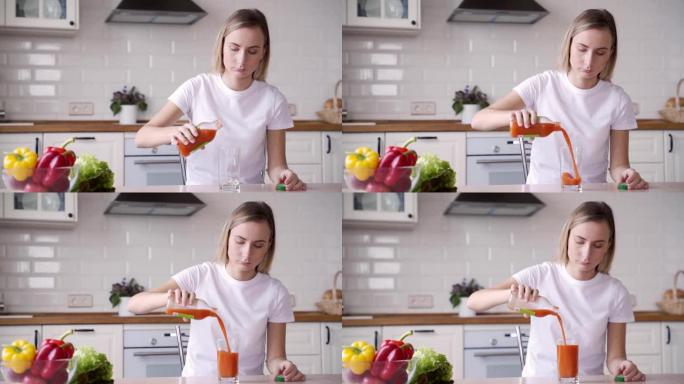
(50,167)
(388,171)
(51,357)
(395,354)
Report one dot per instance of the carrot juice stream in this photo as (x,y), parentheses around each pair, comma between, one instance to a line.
(567,354)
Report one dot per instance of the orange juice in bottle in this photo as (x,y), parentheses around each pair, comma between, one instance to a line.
(206,132)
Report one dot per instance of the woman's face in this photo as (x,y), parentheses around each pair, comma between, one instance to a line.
(243,50)
(247,246)
(590,52)
(587,246)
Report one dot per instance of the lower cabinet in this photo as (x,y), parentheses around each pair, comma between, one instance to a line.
(673,347)
(371,335)
(303,346)
(331,347)
(31,333)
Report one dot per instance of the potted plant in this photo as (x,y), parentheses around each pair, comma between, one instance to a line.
(468,102)
(460,293)
(122,292)
(128,102)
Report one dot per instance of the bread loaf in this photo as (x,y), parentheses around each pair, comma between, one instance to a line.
(329,104)
(667,295)
(671,102)
(328,295)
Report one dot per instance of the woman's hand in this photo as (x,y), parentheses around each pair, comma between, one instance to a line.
(630,372)
(524,117)
(633,179)
(289,371)
(524,293)
(180,297)
(185,134)
(291,180)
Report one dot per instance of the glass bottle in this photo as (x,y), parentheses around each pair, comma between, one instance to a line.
(529,307)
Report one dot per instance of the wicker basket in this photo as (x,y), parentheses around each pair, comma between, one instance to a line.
(674,306)
(333,306)
(674,114)
(334,114)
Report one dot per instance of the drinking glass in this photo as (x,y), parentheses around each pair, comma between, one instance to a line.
(229,168)
(227,359)
(571,181)
(567,354)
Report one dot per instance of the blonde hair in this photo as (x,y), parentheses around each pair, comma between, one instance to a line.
(250,211)
(243,18)
(590,211)
(591,19)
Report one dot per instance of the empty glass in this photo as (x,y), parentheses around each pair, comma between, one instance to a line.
(229,168)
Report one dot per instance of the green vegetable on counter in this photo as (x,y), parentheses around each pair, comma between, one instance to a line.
(93,175)
(429,367)
(91,367)
(436,175)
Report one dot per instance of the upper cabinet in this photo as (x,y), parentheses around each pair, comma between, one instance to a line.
(48,15)
(40,207)
(383,15)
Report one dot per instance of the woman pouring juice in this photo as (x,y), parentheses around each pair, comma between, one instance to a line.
(593,306)
(596,113)
(250,303)
(252,114)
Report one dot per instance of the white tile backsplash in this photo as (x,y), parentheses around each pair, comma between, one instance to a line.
(306,58)
(497,57)
(382,267)
(40,266)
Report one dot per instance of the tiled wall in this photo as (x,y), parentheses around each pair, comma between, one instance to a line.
(39,267)
(384,74)
(382,267)
(39,76)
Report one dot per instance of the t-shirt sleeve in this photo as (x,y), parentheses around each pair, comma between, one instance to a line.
(625,118)
(183,95)
(189,279)
(281,311)
(281,113)
(530,276)
(622,311)
(530,89)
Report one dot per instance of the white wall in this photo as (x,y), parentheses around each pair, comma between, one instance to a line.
(39,76)
(383,267)
(40,267)
(445,57)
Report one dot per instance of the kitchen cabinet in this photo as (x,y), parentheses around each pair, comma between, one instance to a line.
(646,155)
(371,335)
(331,350)
(315,156)
(107,339)
(383,15)
(375,141)
(10,141)
(643,346)
(445,339)
(303,346)
(673,347)
(9,334)
(40,207)
(333,157)
(41,15)
(107,147)
(449,146)
(390,207)
(674,155)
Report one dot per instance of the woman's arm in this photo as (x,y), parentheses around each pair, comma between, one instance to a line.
(158,130)
(616,358)
(277,164)
(487,298)
(152,299)
(276,359)
(500,113)
(620,171)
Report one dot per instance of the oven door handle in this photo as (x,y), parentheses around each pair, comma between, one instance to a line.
(151,162)
(493,354)
(145,354)
(487,161)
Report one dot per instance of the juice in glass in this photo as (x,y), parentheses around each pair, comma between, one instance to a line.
(227,359)
(206,132)
(567,353)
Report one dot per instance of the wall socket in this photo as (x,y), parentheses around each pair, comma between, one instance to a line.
(81,109)
(423,108)
(80,301)
(420,301)
(293,109)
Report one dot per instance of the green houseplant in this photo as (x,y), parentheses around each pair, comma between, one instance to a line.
(468,102)
(128,102)
(121,292)
(462,290)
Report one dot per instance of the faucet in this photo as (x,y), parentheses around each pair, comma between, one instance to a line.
(2,110)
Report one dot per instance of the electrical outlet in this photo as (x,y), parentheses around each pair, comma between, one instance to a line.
(420,301)
(423,108)
(293,109)
(81,109)
(293,300)
(84,301)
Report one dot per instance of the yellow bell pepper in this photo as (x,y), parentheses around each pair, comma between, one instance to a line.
(362,162)
(20,163)
(18,356)
(358,357)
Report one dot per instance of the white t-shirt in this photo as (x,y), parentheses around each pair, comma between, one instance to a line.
(246,308)
(587,115)
(246,115)
(586,308)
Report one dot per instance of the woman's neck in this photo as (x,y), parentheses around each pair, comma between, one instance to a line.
(581,83)
(239,275)
(579,275)
(236,84)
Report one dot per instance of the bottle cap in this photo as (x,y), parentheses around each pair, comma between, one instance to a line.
(281,187)
(280,378)
(622,187)
(620,378)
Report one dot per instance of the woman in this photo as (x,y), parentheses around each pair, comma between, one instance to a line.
(594,306)
(250,302)
(596,113)
(253,113)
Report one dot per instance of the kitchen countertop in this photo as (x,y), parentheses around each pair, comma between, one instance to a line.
(454,319)
(597,187)
(312,379)
(655,378)
(311,187)
(113,126)
(113,318)
(457,126)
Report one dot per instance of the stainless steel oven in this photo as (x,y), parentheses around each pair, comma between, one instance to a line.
(491,351)
(493,161)
(150,166)
(151,351)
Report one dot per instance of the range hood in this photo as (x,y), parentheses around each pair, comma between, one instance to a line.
(497,11)
(156,12)
(494,204)
(155,204)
